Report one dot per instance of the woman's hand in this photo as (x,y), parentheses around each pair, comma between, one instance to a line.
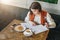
(47,25)
(33,23)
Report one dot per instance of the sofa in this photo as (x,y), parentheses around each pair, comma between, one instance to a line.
(13,12)
(54,34)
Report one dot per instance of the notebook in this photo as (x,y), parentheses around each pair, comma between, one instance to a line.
(36,29)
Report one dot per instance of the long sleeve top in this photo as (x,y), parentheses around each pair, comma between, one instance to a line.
(38,18)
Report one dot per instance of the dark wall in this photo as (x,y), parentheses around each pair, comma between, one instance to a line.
(8,13)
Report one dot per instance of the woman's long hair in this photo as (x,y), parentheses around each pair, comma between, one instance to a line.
(35,5)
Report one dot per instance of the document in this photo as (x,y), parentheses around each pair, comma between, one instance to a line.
(36,29)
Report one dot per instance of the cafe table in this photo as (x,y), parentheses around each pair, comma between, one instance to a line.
(9,34)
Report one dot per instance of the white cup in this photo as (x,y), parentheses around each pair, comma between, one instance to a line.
(28,33)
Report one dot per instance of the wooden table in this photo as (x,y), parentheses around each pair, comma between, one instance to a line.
(19,36)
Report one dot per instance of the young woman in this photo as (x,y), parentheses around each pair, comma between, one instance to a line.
(37,16)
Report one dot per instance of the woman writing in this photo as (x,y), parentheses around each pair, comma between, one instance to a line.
(37,16)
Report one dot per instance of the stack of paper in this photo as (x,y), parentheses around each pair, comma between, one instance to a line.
(36,29)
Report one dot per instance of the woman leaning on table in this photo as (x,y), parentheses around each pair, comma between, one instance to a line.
(37,16)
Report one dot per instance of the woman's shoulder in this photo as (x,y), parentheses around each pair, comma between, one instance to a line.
(28,13)
(44,12)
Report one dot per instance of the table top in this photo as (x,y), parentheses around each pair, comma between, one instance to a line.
(9,35)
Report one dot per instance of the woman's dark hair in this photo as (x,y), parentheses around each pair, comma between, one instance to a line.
(35,5)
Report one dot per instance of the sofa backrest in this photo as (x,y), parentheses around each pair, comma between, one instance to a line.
(22,14)
(56,18)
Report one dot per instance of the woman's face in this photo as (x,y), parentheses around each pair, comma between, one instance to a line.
(35,11)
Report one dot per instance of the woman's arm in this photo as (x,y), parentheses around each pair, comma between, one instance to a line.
(50,21)
(27,17)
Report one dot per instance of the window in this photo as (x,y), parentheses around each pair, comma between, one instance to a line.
(50,1)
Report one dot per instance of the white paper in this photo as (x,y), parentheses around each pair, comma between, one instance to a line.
(39,28)
(36,29)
